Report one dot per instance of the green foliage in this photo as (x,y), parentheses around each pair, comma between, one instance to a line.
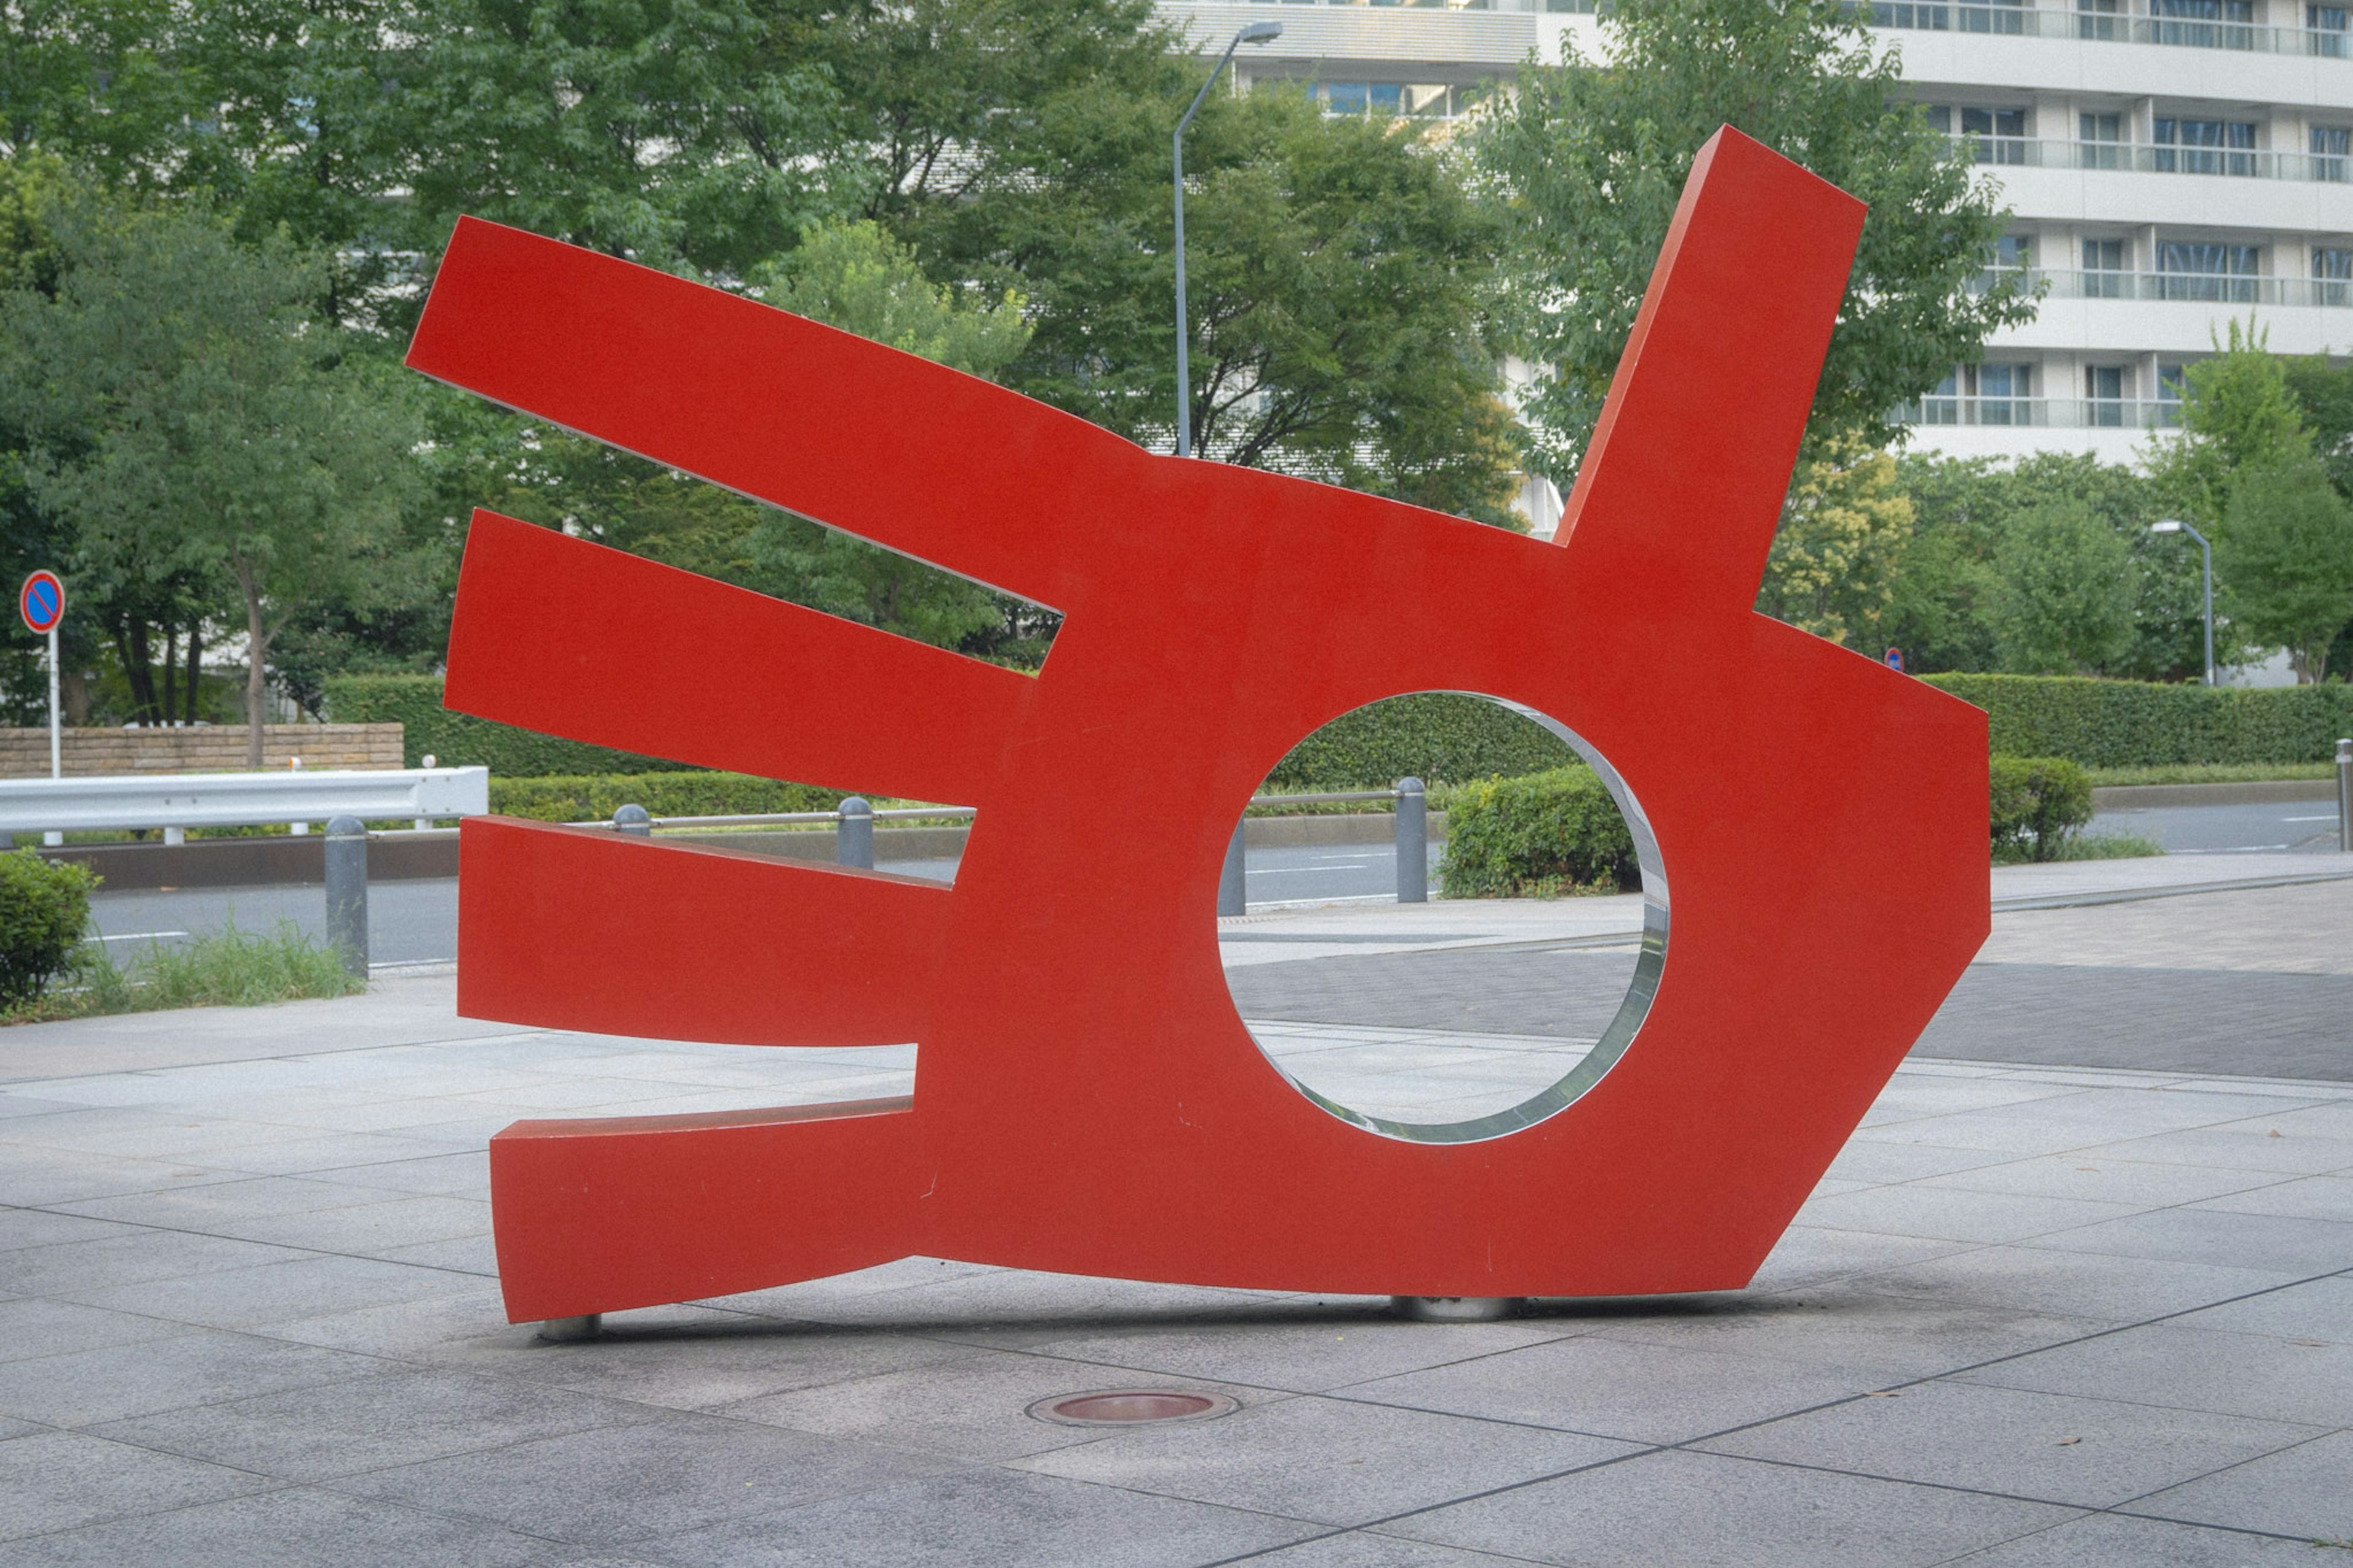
(1438,737)
(1591,158)
(2285,561)
(233,968)
(1843,534)
(1537,837)
(596,797)
(43,910)
(2037,804)
(460,740)
(2063,592)
(2133,724)
(2238,412)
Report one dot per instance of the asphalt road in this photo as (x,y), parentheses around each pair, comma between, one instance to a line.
(2292,824)
(416,921)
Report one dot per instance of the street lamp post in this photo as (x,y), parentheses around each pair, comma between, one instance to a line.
(1256,33)
(2206,553)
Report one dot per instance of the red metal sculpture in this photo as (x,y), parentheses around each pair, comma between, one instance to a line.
(1087,1098)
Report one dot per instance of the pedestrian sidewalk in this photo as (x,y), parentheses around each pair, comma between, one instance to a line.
(2033,1315)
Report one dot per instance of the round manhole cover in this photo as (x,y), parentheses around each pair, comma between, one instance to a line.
(1129,1406)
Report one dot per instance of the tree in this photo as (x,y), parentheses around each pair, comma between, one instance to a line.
(2285,561)
(2062,596)
(1588,158)
(195,422)
(1835,563)
(2237,412)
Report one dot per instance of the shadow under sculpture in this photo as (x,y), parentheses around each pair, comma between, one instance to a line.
(1088,1100)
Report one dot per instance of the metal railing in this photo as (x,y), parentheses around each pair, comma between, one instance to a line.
(2058,413)
(2113,27)
(2155,158)
(853,823)
(2200,288)
(177,801)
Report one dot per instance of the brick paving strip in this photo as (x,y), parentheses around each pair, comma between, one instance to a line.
(2036,1314)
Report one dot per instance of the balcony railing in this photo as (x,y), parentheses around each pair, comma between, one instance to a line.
(2024,21)
(2192,287)
(2161,158)
(2050,413)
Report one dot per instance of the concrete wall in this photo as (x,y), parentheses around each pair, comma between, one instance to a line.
(203,749)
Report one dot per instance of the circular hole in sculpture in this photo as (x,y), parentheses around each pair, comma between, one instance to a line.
(1129,1406)
(1514,988)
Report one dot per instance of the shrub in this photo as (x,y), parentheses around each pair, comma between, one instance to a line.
(43,910)
(1536,836)
(1438,737)
(2037,803)
(460,740)
(2139,723)
(595,797)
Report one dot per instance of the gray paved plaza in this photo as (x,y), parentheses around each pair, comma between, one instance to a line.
(2038,1313)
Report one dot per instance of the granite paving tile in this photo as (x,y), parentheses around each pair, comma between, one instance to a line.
(1810,1254)
(2320,1310)
(984,1518)
(2256,1375)
(711,1358)
(1682,1510)
(974,1407)
(371,1225)
(2311,1197)
(141,1257)
(1847,1324)
(2114,1539)
(25,1228)
(647,1482)
(2232,1240)
(2300,1492)
(1640,1392)
(298,1527)
(1334,1461)
(2046,1279)
(1368,1549)
(2058,1448)
(81,1388)
(256,1297)
(1954,1214)
(370,1424)
(2142,1182)
(1305,1344)
(30,1327)
(61,1481)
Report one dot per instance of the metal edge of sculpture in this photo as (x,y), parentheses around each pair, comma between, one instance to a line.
(1088,1099)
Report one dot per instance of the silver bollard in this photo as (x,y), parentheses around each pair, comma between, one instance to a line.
(1412,842)
(1233,890)
(2345,795)
(572,1330)
(1455,1309)
(347,899)
(853,839)
(635,821)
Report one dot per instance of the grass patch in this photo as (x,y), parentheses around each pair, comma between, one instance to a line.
(229,968)
(2210,773)
(2084,846)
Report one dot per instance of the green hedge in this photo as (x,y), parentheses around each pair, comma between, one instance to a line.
(1438,737)
(595,797)
(43,910)
(1548,833)
(2137,724)
(2037,803)
(460,740)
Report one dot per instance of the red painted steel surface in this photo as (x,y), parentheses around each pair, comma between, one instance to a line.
(1087,1098)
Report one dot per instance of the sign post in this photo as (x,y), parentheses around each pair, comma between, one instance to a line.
(42,601)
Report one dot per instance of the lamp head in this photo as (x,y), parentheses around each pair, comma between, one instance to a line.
(2167,526)
(1260,32)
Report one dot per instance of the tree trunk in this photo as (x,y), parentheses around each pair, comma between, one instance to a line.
(171,704)
(256,650)
(195,668)
(139,669)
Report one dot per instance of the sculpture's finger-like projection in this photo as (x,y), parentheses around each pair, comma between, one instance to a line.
(1087,1098)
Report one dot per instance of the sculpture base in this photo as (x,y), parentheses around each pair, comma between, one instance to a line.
(1454,1308)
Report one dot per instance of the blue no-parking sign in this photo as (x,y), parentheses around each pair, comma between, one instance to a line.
(42,601)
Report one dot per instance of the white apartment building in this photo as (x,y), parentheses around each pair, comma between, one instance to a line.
(2171,164)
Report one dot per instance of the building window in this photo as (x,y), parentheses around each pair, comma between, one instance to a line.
(2103,394)
(2332,147)
(2328,25)
(2100,20)
(2332,271)
(2012,252)
(2201,271)
(2205,146)
(2206,24)
(2002,391)
(1391,100)
(2101,139)
(2000,132)
(2104,269)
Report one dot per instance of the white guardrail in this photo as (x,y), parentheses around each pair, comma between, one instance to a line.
(239,800)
